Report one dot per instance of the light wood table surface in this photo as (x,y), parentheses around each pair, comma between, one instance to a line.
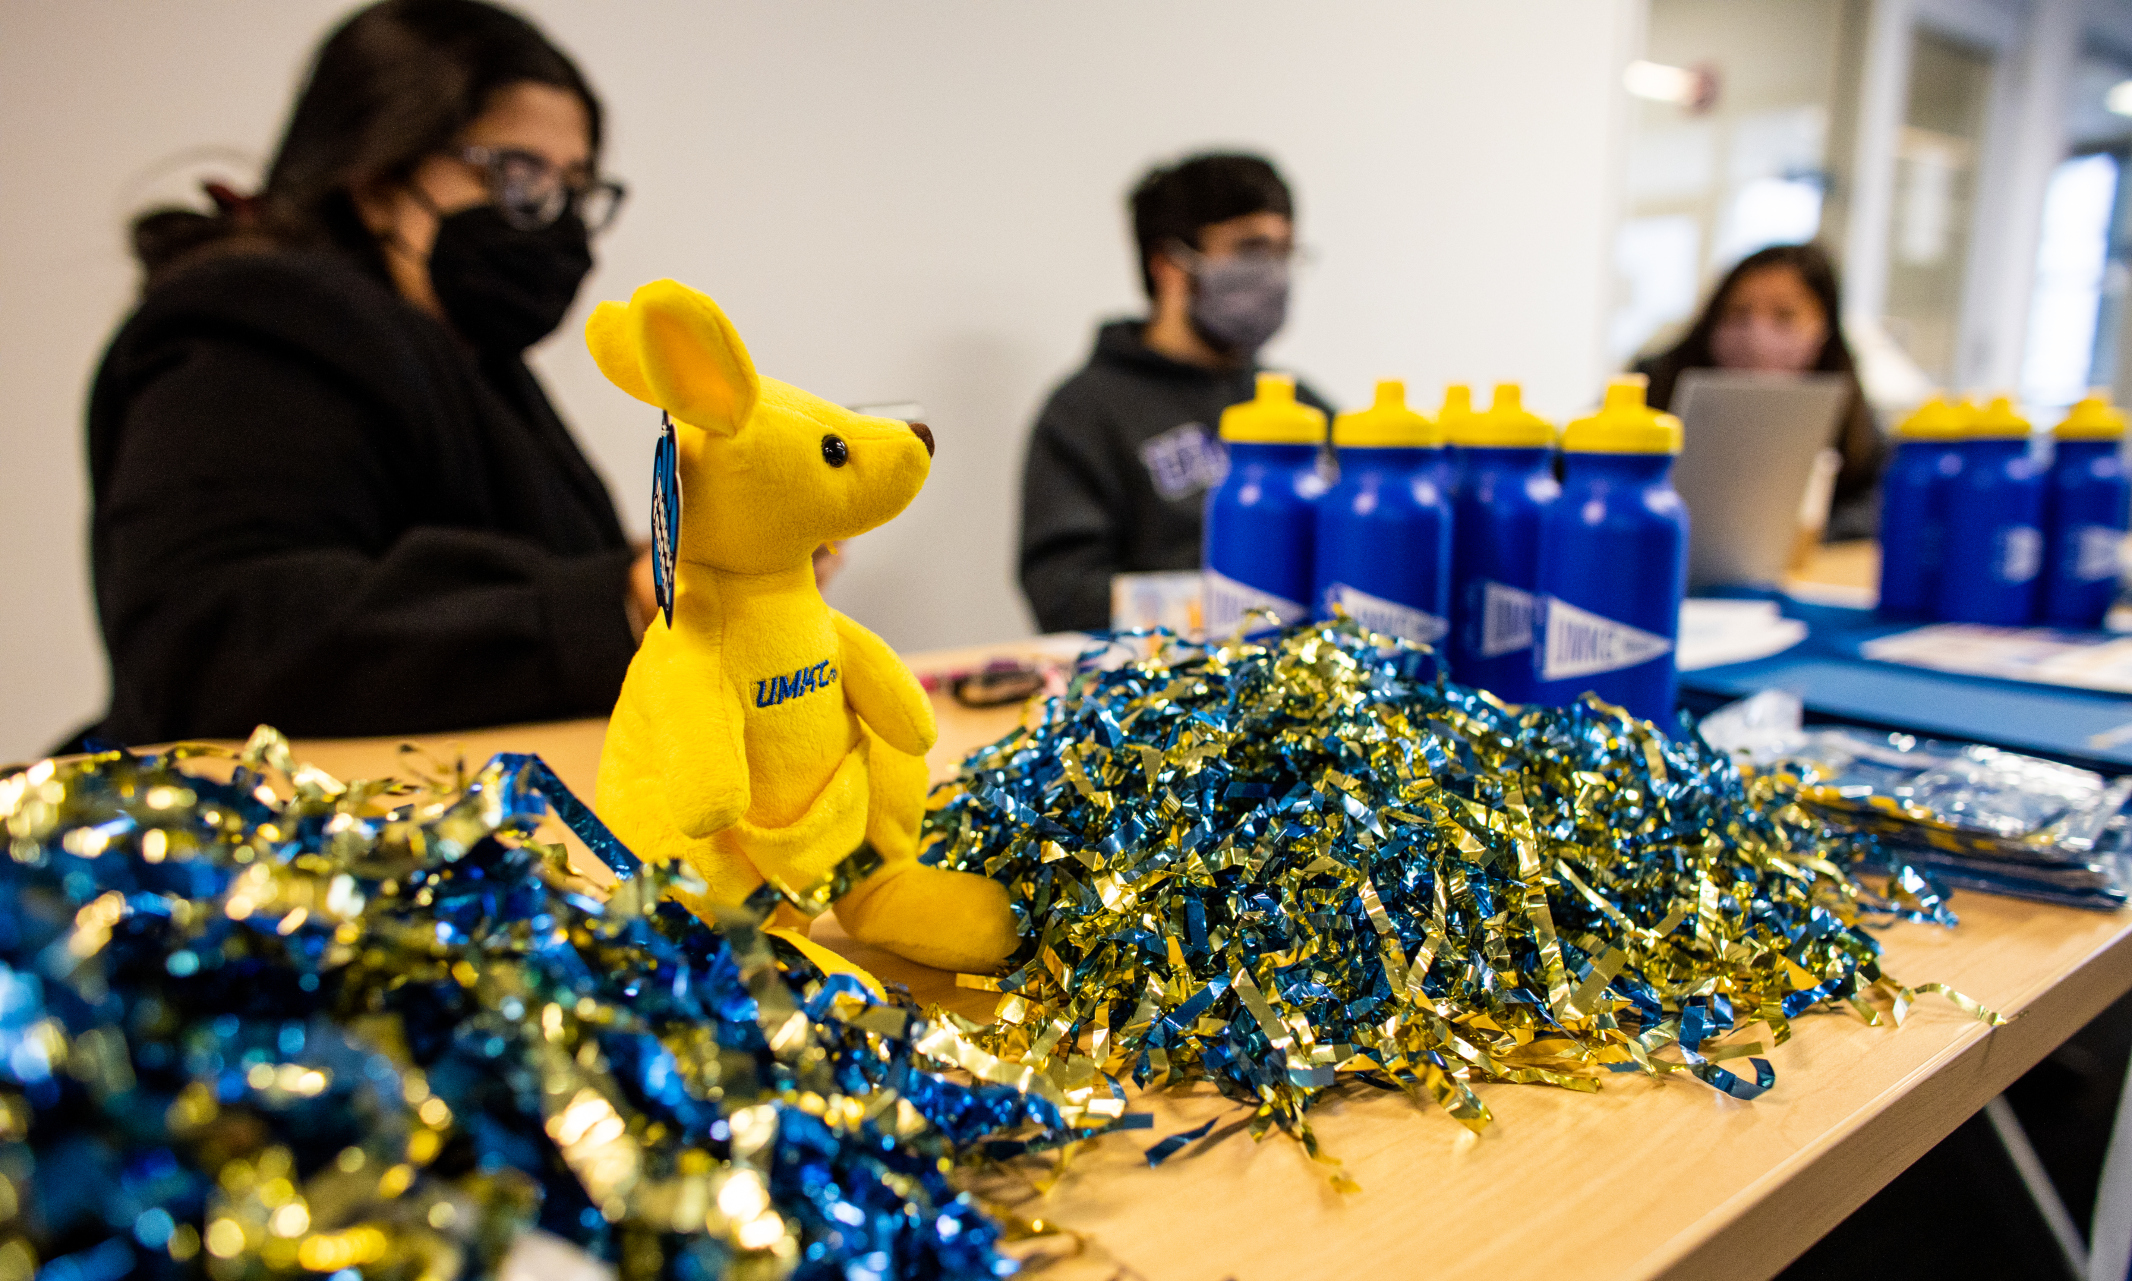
(1854,565)
(1647,1178)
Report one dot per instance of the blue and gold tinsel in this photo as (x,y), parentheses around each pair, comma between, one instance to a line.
(1281,863)
(255,1022)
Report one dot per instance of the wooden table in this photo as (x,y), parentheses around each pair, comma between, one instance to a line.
(1648,1178)
(1853,566)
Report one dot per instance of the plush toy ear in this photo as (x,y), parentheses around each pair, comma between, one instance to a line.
(692,360)
(607,333)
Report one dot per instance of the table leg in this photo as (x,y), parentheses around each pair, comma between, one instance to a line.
(2040,1189)
(2111,1255)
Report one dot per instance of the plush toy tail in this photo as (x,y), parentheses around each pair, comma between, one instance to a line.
(948,920)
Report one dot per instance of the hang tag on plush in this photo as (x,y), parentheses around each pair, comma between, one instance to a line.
(665,515)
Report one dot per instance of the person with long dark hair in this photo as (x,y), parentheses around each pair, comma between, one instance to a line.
(1780,310)
(328,493)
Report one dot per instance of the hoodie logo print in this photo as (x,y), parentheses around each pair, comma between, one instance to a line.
(1184,461)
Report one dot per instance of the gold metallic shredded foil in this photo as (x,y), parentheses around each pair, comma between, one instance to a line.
(308,1028)
(1283,864)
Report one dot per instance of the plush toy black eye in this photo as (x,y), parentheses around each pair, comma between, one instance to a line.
(834,451)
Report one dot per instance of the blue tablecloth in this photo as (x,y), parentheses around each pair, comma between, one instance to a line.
(1828,674)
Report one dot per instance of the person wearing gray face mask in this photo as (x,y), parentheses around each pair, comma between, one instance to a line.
(1125,450)
(1240,300)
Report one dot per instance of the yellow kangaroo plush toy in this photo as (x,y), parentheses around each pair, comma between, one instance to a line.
(763,735)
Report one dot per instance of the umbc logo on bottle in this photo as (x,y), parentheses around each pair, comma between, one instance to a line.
(1226,603)
(1505,617)
(1386,616)
(806,680)
(1581,643)
(2019,555)
(2091,552)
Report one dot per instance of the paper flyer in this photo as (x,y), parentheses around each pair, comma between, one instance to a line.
(2080,660)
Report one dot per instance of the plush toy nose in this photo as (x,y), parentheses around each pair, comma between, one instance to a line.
(925,434)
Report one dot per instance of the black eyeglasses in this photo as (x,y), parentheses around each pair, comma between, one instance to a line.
(532,193)
(1251,249)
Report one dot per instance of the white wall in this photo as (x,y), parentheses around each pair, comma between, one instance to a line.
(894,201)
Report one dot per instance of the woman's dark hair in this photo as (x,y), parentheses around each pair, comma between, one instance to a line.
(395,83)
(1693,350)
(1857,438)
(1178,201)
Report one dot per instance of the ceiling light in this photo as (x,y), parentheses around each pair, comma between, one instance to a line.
(2119,98)
(1692,87)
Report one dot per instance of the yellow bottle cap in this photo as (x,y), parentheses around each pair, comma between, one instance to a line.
(1999,420)
(1388,424)
(1506,425)
(1624,424)
(1458,408)
(1936,419)
(1274,416)
(2094,418)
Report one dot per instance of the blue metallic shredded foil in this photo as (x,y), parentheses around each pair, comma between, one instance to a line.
(1176,1143)
(255,1022)
(1281,863)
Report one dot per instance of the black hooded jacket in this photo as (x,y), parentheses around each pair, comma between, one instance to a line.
(1117,472)
(316,508)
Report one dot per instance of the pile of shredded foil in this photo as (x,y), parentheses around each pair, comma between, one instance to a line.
(274,1025)
(1272,863)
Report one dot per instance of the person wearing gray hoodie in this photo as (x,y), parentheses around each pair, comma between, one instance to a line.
(1124,451)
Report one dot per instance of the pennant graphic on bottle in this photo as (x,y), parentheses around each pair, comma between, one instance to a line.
(1387,617)
(1505,616)
(1228,601)
(2093,552)
(1581,643)
(665,516)
(2019,554)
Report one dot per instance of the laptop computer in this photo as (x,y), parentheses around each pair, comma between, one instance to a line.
(1751,463)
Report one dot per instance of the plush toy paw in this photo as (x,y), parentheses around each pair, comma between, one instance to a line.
(948,920)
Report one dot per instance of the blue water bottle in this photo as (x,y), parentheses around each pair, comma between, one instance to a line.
(1261,519)
(1994,524)
(1384,531)
(1505,479)
(2084,508)
(1614,560)
(1914,495)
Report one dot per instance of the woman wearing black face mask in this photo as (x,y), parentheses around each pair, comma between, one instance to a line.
(329,494)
